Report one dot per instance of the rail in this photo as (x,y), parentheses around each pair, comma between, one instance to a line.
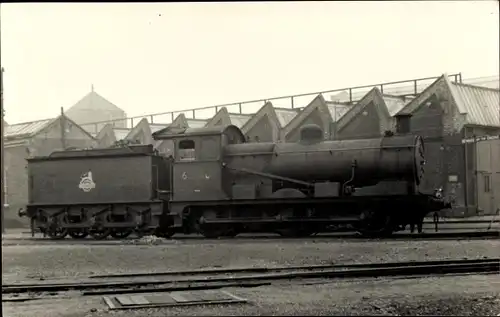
(411,88)
(247,276)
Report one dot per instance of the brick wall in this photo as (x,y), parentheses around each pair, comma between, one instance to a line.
(16,180)
(15,163)
(365,125)
(437,119)
(263,131)
(315,117)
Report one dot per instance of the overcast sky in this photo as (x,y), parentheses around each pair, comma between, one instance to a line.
(158,57)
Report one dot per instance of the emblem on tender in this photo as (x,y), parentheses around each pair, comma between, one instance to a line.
(86,182)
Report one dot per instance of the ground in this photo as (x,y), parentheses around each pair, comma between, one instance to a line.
(464,295)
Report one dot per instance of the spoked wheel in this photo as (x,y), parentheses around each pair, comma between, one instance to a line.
(100,234)
(78,234)
(57,233)
(374,225)
(120,234)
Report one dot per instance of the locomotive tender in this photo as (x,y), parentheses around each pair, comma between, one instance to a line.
(216,184)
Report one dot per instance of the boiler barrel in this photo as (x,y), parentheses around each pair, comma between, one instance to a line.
(395,157)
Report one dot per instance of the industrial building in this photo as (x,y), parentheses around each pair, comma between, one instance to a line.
(445,112)
(319,111)
(29,139)
(267,123)
(371,116)
(95,108)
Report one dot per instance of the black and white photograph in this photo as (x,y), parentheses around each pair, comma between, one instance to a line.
(260,158)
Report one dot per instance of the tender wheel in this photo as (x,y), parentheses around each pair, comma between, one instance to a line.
(100,234)
(57,233)
(120,234)
(78,234)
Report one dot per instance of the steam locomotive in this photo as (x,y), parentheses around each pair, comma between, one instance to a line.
(217,184)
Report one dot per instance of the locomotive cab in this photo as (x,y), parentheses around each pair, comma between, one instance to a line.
(197,173)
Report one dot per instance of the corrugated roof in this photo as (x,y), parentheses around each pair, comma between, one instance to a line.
(26,129)
(121,134)
(481,105)
(285,116)
(239,119)
(394,104)
(196,123)
(337,110)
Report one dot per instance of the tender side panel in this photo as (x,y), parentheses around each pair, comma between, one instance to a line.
(90,180)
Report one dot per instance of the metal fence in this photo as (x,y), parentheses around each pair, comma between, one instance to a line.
(344,95)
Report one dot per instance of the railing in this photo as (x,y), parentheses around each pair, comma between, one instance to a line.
(397,88)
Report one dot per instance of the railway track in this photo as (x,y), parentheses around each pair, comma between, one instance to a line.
(351,236)
(442,227)
(244,277)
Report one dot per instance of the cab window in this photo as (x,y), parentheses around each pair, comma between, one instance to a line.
(187,150)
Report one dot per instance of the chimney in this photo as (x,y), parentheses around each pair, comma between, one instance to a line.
(403,123)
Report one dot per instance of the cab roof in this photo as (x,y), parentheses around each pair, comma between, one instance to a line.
(180,132)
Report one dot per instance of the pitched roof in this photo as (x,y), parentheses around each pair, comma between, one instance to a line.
(334,110)
(394,104)
(120,133)
(93,101)
(387,106)
(196,123)
(478,105)
(285,116)
(281,116)
(237,119)
(142,126)
(26,129)
(157,126)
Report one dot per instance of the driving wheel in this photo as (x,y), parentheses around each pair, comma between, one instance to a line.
(57,233)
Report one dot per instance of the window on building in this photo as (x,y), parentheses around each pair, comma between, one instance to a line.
(487,183)
(187,150)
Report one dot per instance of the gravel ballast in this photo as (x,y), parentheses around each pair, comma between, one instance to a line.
(45,261)
(473,295)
